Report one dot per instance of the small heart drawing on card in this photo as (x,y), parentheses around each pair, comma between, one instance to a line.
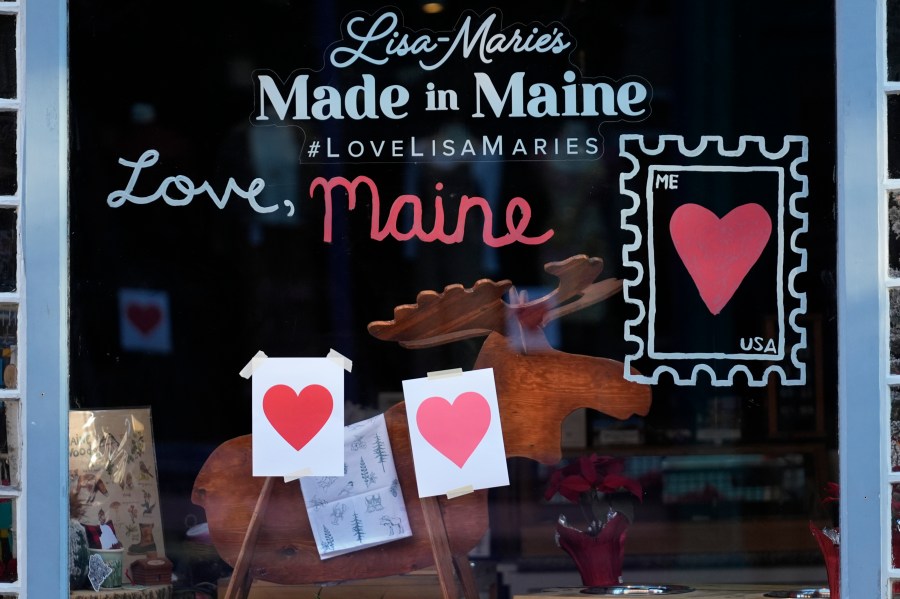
(455,429)
(719,252)
(145,318)
(298,417)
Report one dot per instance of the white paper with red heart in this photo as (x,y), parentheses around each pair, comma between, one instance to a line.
(454,429)
(298,417)
(144,323)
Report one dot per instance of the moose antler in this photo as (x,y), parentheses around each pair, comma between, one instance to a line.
(438,318)
(576,282)
(459,313)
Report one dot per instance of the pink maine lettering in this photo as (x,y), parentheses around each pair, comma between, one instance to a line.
(515,229)
(180,190)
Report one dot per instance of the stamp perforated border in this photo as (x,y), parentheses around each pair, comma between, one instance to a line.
(672,152)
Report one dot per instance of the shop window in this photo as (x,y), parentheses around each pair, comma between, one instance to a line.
(173,289)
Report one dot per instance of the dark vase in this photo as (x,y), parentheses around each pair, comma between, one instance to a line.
(831,551)
(598,558)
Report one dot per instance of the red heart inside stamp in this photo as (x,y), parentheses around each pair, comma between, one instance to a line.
(718,253)
(298,417)
(145,318)
(456,429)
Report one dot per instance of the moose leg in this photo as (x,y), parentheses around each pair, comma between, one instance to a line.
(440,546)
(466,578)
(239,585)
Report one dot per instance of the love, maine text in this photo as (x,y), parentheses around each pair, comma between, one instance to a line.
(180,191)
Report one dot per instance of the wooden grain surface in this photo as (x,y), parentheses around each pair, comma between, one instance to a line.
(538,389)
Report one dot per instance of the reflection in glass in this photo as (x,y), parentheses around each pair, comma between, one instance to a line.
(893,236)
(8,163)
(9,434)
(895,525)
(9,477)
(895,429)
(9,323)
(7,250)
(8,570)
(894,298)
(7,56)
(893,40)
(893,138)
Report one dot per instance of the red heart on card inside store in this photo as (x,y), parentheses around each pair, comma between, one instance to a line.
(145,318)
(298,417)
(719,252)
(455,429)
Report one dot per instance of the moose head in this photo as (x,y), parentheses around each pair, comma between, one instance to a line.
(537,386)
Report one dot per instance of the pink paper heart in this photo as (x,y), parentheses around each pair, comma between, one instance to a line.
(718,253)
(456,429)
(144,318)
(298,417)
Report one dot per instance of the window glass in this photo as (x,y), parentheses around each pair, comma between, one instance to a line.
(894,300)
(285,179)
(8,52)
(8,153)
(893,40)
(8,245)
(893,235)
(893,136)
(9,444)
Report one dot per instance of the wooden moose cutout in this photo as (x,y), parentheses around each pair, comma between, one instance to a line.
(261,525)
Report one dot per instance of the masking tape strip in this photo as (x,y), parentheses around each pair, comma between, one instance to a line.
(440,374)
(253,364)
(453,493)
(298,474)
(343,362)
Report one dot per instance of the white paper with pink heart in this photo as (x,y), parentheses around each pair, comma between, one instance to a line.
(455,433)
(298,417)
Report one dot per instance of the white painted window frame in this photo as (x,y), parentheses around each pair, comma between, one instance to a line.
(43,563)
(862,292)
(13,202)
(863,322)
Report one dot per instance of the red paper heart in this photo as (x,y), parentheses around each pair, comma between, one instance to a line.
(298,417)
(456,429)
(718,253)
(144,318)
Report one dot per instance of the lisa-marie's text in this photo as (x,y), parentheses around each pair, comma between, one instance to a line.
(180,190)
(377,39)
(373,41)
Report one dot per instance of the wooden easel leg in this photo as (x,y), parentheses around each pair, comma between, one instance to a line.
(466,578)
(440,546)
(239,585)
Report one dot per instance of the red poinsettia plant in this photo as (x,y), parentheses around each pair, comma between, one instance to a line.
(596,484)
